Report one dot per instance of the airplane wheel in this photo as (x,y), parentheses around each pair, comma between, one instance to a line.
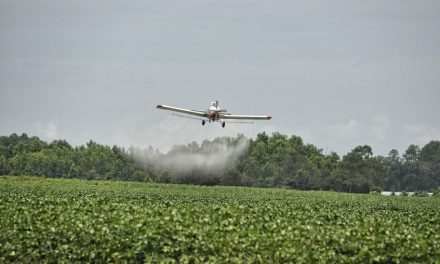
(203,122)
(223,124)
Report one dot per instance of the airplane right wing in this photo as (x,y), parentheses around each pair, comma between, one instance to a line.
(245,117)
(182,110)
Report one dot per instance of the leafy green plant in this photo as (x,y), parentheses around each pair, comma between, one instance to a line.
(60,220)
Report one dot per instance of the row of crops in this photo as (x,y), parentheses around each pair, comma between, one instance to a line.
(58,220)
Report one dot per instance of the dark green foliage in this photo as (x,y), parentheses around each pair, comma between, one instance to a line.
(416,170)
(59,221)
(22,155)
(266,161)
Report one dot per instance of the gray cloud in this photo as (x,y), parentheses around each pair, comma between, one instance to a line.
(362,72)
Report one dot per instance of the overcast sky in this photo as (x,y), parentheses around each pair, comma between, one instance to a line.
(337,73)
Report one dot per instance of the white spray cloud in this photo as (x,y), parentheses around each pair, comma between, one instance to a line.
(211,157)
(188,145)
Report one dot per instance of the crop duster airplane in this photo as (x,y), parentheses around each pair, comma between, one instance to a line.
(213,114)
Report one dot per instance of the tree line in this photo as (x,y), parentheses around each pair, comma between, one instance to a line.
(267,161)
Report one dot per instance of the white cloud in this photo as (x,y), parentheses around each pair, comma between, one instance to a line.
(421,134)
(336,136)
(50,131)
(379,126)
(342,136)
(350,129)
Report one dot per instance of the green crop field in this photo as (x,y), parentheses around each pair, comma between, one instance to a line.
(54,220)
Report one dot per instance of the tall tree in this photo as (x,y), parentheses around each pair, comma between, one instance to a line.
(395,171)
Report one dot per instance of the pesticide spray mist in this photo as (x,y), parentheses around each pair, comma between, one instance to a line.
(212,157)
(208,159)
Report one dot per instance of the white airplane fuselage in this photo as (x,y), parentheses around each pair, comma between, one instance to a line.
(213,111)
(213,115)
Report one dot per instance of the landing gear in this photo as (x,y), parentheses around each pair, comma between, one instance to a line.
(223,124)
(203,122)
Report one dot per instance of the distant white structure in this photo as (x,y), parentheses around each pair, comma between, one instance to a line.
(400,193)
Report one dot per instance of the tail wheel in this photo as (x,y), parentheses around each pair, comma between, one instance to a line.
(223,124)
(203,122)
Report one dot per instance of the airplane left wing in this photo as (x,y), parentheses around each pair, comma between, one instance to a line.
(182,110)
(247,117)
